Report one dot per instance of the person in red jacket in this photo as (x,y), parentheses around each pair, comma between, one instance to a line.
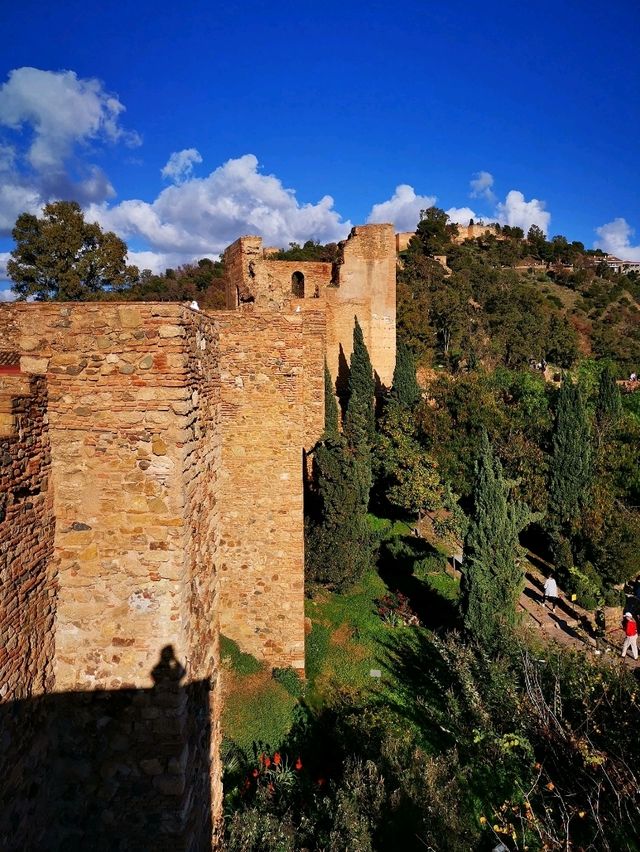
(631,635)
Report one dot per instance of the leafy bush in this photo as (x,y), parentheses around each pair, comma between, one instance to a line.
(394,609)
(614,597)
(585,584)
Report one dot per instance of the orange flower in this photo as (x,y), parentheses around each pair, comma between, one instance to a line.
(255,773)
(276,758)
(298,764)
(267,762)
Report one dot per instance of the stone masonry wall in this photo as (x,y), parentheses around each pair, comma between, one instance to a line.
(132,555)
(366,288)
(263,426)
(314,339)
(276,290)
(27,603)
(362,284)
(27,575)
(202,461)
(253,278)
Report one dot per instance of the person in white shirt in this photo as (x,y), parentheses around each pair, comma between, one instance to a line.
(551,592)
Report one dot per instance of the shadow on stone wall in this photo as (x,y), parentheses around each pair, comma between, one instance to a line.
(125,769)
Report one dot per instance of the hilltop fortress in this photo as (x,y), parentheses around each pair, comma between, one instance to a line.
(151,498)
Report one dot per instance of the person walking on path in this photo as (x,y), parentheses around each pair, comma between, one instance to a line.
(631,635)
(551,591)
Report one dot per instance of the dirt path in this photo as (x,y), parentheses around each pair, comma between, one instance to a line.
(570,625)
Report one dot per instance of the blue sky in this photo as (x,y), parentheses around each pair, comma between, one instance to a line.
(181,127)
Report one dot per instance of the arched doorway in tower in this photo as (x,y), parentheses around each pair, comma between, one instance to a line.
(297,285)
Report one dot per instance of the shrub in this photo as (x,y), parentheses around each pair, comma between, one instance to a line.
(614,597)
(585,584)
(394,609)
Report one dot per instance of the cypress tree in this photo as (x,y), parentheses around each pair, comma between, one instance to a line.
(339,546)
(492,578)
(331,420)
(405,387)
(571,460)
(609,402)
(360,424)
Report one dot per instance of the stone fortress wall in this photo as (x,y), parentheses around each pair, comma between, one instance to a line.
(152,497)
(362,283)
(465,232)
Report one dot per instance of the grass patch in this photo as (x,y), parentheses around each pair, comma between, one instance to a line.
(237,660)
(257,709)
(385,528)
(347,640)
(445,585)
(344,644)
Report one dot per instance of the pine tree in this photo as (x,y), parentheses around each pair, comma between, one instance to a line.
(492,578)
(571,467)
(405,387)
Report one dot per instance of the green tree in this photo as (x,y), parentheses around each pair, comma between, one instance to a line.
(408,477)
(331,419)
(60,256)
(571,465)
(360,424)
(538,244)
(435,232)
(492,577)
(609,401)
(339,545)
(405,387)
(338,541)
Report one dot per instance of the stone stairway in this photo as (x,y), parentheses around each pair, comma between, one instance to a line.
(14,390)
(570,625)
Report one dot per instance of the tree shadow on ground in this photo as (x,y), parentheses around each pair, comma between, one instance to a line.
(397,564)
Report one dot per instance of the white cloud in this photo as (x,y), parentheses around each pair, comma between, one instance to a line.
(47,121)
(402,209)
(61,110)
(5,257)
(7,158)
(16,197)
(180,165)
(615,238)
(5,294)
(404,206)
(461,215)
(203,215)
(518,212)
(157,261)
(481,186)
